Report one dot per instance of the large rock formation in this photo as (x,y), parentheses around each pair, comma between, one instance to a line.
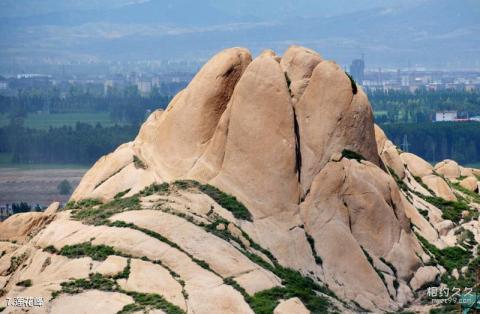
(316,216)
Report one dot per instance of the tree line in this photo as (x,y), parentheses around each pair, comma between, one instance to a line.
(418,107)
(123,106)
(81,144)
(438,141)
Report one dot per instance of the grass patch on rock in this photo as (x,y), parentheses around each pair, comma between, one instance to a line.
(144,302)
(227,201)
(25,283)
(451,210)
(450,257)
(96,252)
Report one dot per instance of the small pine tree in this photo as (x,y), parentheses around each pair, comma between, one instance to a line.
(64,187)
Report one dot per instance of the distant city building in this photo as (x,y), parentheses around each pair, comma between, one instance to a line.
(443,116)
(144,87)
(357,70)
(3,85)
(108,85)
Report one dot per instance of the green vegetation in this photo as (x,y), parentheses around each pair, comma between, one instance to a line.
(370,260)
(45,121)
(125,273)
(294,285)
(15,262)
(439,141)
(155,188)
(139,164)
(96,252)
(82,144)
(450,257)
(473,196)
(121,194)
(25,283)
(311,242)
(95,281)
(145,301)
(352,155)
(227,201)
(83,204)
(451,210)
(99,215)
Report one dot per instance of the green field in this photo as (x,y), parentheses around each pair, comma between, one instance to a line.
(44,121)
(6,162)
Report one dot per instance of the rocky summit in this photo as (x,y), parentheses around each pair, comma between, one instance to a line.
(264,187)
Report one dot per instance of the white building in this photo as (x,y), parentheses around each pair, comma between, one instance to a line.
(442,116)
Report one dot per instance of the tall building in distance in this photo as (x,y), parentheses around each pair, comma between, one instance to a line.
(357,70)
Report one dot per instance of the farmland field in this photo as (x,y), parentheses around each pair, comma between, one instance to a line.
(36,185)
(44,121)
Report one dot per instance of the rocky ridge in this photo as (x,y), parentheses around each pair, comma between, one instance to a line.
(264,187)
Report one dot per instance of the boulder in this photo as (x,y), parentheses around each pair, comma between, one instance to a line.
(449,168)
(423,276)
(21,227)
(298,64)
(439,187)
(417,166)
(470,183)
(293,305)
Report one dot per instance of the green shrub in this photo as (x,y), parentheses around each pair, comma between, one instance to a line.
(96,252)
(86,203)
(311,242)
(473,196)
(450,257)
(25,283)
(227,201)
(153,301)
(121,194)
(138,163)
(95,281)
(100,215)
(125,273)
(155,188)
(352,155)
(450,210)
(51,249)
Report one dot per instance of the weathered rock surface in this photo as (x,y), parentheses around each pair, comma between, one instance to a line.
(292,138)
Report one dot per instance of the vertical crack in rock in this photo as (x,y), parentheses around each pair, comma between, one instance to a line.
(298,153)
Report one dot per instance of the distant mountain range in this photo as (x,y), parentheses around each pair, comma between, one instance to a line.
(432,33)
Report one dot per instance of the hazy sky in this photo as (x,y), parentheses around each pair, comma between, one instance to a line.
(433,33)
